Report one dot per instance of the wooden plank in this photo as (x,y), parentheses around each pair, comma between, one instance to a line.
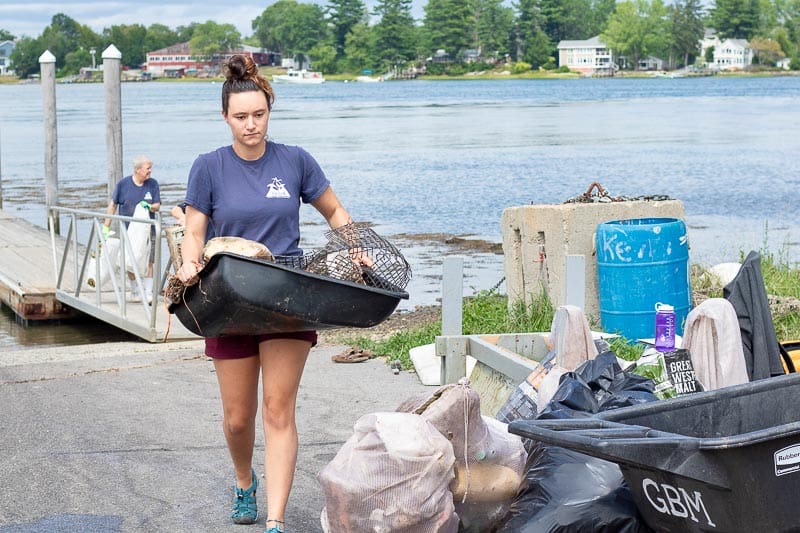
(575,275)
(501,359)
(453,351)
(492,386)
(452,295)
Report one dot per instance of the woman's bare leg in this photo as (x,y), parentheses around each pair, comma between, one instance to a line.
(238,386)
(282,363)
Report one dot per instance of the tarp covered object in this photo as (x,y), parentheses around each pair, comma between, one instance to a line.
(712,337)
(748,295)
(565,491)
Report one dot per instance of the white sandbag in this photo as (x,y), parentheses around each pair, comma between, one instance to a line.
(391,475)
(107,258)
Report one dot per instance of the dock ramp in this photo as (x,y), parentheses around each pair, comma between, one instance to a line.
(43,275)
(97,285)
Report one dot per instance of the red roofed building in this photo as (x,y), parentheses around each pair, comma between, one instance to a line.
(177,61)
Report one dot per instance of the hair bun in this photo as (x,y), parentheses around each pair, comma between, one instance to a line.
(239,67)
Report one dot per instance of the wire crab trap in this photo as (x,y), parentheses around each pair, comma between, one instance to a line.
(354,252)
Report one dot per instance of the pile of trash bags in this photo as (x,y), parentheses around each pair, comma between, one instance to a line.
(437,465)
(568,491)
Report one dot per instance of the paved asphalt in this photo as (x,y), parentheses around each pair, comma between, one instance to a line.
(127,437)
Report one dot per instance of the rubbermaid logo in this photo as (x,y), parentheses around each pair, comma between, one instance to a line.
(787,460)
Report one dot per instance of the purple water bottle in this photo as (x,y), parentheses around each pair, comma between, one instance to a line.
(665,327)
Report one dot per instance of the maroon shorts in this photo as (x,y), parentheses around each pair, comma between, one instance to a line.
(241,346)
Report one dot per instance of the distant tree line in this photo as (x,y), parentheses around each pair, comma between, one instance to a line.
(344,36)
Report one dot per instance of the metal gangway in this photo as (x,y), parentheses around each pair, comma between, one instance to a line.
(78,257)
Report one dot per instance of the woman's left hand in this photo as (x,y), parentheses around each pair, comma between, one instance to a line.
(360,257)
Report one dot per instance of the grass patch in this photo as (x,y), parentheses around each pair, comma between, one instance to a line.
(783,282)
(486,312)
(626,349)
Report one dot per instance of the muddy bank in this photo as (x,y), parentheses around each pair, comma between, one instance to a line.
(398,321)
(457,243)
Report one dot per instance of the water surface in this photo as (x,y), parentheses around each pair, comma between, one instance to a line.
(448,156)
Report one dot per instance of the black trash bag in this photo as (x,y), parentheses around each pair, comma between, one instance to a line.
(597,385)
(566,491)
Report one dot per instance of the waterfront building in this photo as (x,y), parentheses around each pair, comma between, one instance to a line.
(651,63)
(6,47)
(729,54)
(177,61)
(590,56)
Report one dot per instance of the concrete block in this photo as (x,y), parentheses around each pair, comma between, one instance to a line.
(538,238)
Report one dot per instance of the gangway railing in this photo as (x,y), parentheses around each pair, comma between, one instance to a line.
(80,265)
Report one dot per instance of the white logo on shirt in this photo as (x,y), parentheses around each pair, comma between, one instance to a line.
(148,196)
(277,189)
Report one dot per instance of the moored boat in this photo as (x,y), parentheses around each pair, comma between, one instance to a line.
(310,77)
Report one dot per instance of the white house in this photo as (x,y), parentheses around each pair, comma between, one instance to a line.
(729,54)
(589,56)
(6,47)
(651,63)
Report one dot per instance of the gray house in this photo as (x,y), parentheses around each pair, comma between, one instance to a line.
(6,47)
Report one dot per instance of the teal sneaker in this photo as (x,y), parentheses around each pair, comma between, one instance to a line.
(277,526)
(245,508)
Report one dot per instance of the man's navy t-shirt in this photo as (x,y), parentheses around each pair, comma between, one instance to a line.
(127,195)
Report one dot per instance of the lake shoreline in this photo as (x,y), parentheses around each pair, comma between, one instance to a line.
(484,76)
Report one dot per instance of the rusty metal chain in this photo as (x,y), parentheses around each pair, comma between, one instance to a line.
(596,193)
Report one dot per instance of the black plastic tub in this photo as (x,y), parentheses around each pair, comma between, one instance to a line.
(722,460)
(239,295)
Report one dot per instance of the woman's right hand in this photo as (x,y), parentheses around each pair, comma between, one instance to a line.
(188,272)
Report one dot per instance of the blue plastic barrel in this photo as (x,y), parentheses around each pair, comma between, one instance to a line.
(641,262)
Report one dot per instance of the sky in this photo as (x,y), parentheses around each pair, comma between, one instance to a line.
(31,17)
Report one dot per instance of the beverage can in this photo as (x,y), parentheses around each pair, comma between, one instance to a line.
(665,327)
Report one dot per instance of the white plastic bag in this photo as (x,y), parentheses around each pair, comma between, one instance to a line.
(139,237)
(107,258)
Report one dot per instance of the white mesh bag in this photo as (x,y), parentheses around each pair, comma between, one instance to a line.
(490,461)
(391,475)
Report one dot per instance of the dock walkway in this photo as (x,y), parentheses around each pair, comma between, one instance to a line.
(28,286)
(27,271)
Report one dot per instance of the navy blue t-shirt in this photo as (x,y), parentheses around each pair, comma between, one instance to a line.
(127,195)
(256,200)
